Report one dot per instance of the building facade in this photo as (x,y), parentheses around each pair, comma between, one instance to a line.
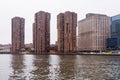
(17,34)
(66,28)
(41,32)
(113,43)
(115,26)
(93,32)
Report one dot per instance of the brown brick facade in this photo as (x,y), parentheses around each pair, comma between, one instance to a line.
(66,26)
(17,34)
(41,32)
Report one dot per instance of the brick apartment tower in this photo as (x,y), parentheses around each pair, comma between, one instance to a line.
(17,34)
(41,32)
(66,27)
(93,32)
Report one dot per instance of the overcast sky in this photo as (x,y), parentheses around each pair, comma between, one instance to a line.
(27,9)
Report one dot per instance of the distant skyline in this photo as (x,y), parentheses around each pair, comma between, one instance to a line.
(27,9)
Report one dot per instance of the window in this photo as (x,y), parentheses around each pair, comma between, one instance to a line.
(67,27)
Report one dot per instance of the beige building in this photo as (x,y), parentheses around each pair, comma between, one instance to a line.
(66,27)
(93,32)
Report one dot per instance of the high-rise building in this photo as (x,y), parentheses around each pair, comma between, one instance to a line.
(115,26)
(17,34)
(41,32)
(66,27)
(93,32)
(113,43)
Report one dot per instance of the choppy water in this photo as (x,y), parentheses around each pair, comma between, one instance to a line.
(59,67)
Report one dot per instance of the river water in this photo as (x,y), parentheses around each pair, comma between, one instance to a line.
(59,67)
